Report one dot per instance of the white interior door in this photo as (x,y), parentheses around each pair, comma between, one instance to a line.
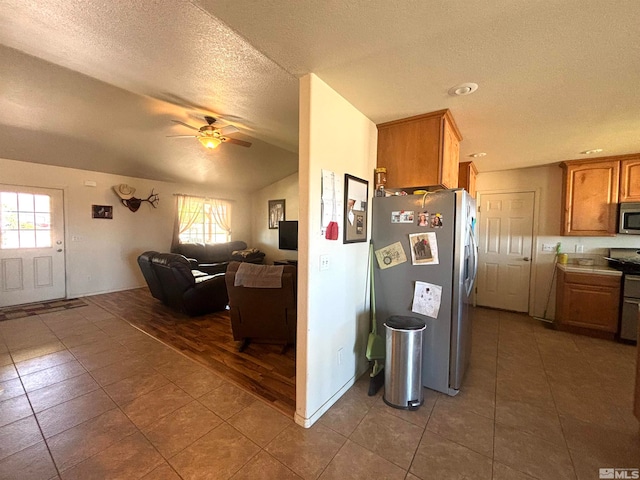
(504,257)
(31,245)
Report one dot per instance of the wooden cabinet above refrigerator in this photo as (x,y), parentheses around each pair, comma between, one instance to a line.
(420,151)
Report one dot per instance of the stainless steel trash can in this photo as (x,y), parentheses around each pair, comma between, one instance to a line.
(403,362)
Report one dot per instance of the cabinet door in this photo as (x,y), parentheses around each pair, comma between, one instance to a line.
(591,197)
(630,180)
(467,177)
(591,306)
(420,151)
(636,407)
(588,301)
(410,151)
(450,156)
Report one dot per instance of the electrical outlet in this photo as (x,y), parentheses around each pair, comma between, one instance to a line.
(549,247)
(324,262)
(579,248)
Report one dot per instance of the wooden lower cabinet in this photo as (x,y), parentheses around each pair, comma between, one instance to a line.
(636,406)
(589,302)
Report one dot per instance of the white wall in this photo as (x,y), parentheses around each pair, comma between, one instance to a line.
(546,182)
(263,237)
(333,311)
(103,259)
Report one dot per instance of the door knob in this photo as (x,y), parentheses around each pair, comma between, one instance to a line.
(59,250)
(526,259)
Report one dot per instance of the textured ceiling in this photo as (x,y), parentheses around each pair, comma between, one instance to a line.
(100,82)
(556,77)
(95,84)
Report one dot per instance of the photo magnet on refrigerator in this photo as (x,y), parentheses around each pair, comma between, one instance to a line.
(424,248)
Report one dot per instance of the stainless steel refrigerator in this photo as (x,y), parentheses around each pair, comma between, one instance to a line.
(437,236)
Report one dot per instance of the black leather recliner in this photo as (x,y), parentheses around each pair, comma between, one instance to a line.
(144,261)
(171,280)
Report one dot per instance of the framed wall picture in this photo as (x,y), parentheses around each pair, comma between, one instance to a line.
(276,212)
(102,211)
(356,195)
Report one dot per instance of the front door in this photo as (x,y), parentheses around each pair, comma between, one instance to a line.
(31,245)
(504,257)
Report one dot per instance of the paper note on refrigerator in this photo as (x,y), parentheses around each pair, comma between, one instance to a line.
(391,255)
(426,299)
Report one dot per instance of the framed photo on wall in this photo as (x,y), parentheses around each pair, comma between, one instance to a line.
(102,211)
(356,195)
(276,212)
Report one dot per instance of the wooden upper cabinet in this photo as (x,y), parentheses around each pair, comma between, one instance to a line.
(420,151)
(467,177)
(630,179)
(590,197)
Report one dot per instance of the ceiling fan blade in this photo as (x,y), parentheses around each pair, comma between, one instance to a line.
(235,141)
(185,125)
(228,130)
(182,136)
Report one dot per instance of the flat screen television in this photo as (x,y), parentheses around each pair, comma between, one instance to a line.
(288,235)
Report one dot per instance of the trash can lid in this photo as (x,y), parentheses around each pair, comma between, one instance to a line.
(405,322)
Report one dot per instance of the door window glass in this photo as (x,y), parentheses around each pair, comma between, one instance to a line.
(25,220)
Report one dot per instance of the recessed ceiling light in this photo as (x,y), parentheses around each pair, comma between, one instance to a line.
(463,89)
(591,152)
(478,155)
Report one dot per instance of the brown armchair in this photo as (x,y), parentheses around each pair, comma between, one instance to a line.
(263,313)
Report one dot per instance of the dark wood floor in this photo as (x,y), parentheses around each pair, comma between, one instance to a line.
(261,368)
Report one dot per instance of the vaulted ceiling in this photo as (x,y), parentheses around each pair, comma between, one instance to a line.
(95,85)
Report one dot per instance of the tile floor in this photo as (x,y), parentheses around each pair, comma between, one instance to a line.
(84,395)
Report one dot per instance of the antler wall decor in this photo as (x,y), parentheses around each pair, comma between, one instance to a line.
(125,192)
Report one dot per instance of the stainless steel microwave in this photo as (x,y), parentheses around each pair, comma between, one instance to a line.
(629,220)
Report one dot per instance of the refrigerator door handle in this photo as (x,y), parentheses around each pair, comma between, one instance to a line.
(474,248)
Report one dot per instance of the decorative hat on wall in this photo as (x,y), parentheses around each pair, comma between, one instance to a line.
(124,191)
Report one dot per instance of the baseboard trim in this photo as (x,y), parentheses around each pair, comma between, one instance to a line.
(308,422)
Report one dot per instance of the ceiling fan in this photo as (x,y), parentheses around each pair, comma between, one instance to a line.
(210,136)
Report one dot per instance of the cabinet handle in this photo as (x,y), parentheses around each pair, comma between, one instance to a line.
(526,259)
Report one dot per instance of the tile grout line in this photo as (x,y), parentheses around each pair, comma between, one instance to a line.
(35,417)
(555,405)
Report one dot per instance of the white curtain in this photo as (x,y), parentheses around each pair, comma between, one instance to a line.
(188,211)
(221,212)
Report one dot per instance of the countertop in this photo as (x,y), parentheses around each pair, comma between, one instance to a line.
(593,269)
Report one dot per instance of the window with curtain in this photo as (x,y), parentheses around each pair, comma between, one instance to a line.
(201,220)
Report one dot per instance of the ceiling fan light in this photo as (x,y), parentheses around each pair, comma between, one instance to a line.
(209,141)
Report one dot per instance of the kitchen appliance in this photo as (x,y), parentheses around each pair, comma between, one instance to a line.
(629,218)
(627,260)
(445,218)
